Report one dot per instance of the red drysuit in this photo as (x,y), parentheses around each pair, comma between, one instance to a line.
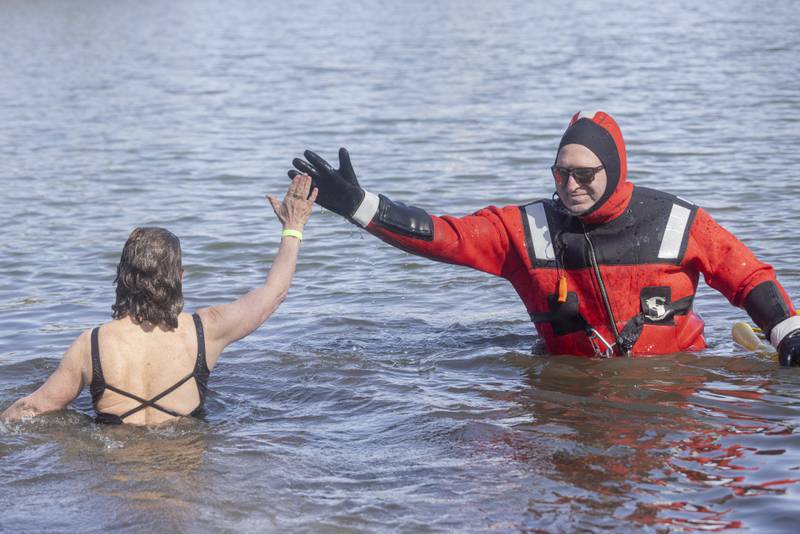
(636,258)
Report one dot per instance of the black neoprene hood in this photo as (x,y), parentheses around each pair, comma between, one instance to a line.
(594,137)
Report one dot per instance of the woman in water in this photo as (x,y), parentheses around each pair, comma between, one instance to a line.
(150,364)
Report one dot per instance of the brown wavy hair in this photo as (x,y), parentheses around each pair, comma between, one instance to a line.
(149,278)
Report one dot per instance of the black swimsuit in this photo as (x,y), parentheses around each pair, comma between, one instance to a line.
(199,373)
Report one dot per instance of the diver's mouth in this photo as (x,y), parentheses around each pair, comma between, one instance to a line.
(579,196)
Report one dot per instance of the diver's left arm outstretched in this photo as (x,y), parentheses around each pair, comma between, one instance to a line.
(480,240)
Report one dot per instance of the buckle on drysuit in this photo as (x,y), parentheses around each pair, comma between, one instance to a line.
(597,341)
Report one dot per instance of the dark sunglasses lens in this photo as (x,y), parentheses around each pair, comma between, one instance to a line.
(560,173)
(583,175)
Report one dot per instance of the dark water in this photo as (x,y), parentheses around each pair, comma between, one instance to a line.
(389,393)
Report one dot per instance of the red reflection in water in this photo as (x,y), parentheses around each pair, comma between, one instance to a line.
(763,488)
(648,514)
(705,450)
(629,437)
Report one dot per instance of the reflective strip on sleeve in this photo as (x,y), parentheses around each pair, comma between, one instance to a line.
(540,232)
(673,233)
(367,209)
(784,327)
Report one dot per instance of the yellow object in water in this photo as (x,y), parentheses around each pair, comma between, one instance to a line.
(745,335)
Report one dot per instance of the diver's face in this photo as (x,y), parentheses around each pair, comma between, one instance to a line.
(579,197)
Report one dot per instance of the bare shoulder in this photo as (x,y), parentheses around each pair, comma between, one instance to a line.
(217,319)
(78,357)
(82,347)
(211,318)
(84,339)
(213,331)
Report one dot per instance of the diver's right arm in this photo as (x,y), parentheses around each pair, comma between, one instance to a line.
(480,241)
(227,323)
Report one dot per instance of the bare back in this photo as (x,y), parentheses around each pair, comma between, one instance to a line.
(146,362)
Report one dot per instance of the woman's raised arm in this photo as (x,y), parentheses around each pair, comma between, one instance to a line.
(226,323)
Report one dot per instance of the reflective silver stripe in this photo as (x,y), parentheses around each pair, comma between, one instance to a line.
(673,234)
(780,330)
(367,209)
(540,232)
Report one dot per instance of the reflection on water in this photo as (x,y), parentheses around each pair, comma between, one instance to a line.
(511,440)
(389,393)
(659,441)
(155,473)
(152,474)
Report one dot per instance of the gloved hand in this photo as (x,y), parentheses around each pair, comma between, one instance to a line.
(339,191)
(789,349)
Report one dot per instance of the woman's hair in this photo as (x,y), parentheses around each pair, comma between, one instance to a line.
(149,278)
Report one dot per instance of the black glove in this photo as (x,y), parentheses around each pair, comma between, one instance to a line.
(789,349)
(338,188)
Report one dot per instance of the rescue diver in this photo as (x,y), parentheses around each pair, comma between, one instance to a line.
(604,268)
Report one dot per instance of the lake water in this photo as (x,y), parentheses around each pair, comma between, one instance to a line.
(389,393)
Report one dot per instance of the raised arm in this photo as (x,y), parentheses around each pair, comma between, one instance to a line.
(61,388)
(479,241)
(731,268)
(227,323)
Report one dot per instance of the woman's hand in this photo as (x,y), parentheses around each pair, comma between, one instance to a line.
(226,323)
(295,209)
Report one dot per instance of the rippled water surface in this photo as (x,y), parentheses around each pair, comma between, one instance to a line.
(389,393)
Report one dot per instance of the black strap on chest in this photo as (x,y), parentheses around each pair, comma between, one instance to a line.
(633,328)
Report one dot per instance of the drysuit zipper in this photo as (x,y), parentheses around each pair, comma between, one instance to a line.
(603,293)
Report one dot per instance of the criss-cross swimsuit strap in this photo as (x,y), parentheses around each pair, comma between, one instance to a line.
(97,371)
(152,402)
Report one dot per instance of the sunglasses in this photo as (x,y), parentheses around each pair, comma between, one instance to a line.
(582,175)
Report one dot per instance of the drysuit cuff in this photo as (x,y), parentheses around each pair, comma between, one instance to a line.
(782,329)
(366,210)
